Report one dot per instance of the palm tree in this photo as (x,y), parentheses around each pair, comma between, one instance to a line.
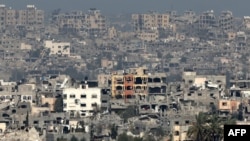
(208,127)
(197,130)
(215,127)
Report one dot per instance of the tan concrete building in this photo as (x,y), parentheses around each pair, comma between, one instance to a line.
(71,21)
(106,63)
(148,36)
(92,22)
(50,101)
(58,48)
(180,132)
(231,36)
(103,80)
(226,21)
(150,21)
(9,43)
(95,21)
(3,126)
(207,19)
(112,33)
(228,105)
(31,16)
(25,46)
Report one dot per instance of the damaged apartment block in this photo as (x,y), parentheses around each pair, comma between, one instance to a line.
(137,84)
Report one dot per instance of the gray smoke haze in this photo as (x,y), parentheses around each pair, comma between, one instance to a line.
(238,7)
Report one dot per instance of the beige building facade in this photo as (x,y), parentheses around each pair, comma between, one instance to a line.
(92,22)
(148,36)
(180,132)
(58,48)
(150,21)
(31,16)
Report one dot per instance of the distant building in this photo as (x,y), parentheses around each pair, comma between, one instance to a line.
(207,19)
(226,21)
(25,46)
(150,21)
(9,43)
(96,22)
(30,17)
(93,22)
(82,100)
(246,22)
(74,21)
(106,63)
(112,33)
(58,48)
(148,36)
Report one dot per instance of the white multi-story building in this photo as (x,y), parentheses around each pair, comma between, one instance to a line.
(58,48)
(83,100)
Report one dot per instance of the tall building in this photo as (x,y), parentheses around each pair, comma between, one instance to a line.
(226,20)
(92,22)
(28,17)
(137,83)
(95,21)
(74,21)
(207,19)
(150,21)
(2,16)
(246,22)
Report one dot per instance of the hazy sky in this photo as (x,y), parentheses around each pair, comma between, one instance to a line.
(238,7)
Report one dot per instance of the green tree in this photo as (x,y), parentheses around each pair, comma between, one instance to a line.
(159,133)
(213,109)
(169,56)
(197,130)
(73,138)
(35,53)
(214,128)
(80,127)
(122,137)
(17,74)
(240,112)
(27,120)
(114,131)
(183,59)
(58,107)
(137,139)
(208,127)
(61,139)
(91,131)
(83,139)
(131,111)
(149,138)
